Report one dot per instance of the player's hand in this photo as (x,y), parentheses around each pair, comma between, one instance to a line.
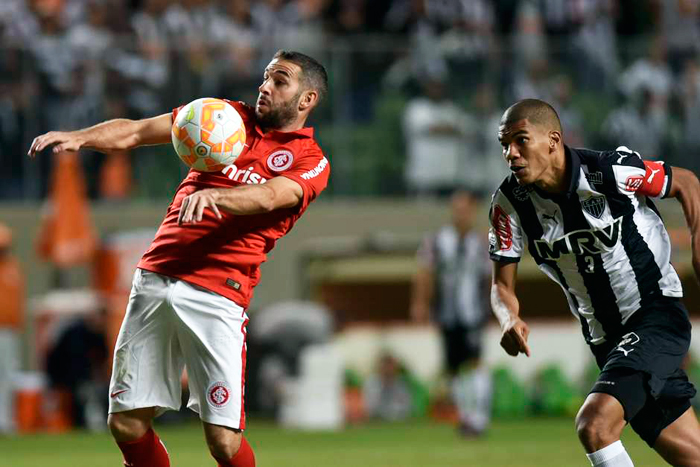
(60,140)
(193,206)
(514,337)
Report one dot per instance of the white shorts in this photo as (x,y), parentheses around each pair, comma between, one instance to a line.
(169,325)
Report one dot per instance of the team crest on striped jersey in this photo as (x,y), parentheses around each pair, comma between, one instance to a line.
(595,206)
(522,193)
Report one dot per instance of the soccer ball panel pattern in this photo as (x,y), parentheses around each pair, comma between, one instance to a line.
(208,134)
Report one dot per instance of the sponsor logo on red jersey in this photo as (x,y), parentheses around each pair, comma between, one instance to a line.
(218,394)
(280,160)
(243,175)
(316,171)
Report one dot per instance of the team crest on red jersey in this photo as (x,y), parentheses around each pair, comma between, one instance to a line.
(218,394)
(280,160)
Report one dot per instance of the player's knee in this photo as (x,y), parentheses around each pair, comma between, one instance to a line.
(125,427)
(595,429)
(224,445)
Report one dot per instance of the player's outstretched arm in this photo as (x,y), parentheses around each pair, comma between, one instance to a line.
(422,294)
(276,193)
(506,307)
(110,135)
(685,187)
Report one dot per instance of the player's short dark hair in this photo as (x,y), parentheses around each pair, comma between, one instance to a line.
(313,74)
(535,111)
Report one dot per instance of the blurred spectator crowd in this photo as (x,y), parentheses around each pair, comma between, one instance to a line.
(620,72)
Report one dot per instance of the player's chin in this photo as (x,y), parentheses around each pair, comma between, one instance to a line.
(262,108)
(522,177)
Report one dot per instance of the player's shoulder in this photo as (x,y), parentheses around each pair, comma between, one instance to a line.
(511,191)
(310,143)
(622,155)
(508,183)
(247,111)
(447,230)
(240,105)
(308,147)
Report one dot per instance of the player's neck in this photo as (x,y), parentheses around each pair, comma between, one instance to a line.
(557,177)
(461,229)
(295,125)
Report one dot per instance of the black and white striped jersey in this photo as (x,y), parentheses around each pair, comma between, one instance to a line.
(460,269)
(603,241)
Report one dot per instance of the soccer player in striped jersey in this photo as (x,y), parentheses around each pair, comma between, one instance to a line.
(450,287)
(588,220)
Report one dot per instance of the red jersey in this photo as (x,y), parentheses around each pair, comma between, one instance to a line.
(224,255)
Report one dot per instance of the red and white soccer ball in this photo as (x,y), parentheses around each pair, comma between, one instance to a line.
(208,134)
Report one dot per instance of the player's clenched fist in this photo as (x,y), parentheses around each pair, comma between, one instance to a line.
(514,338)
(60,140)
(193,206)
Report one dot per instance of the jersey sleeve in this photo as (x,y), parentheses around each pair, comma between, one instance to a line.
(506,243)
(635,176)
(176,111)
(311,172)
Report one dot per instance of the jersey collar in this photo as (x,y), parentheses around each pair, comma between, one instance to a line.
(573,160)
(306,132)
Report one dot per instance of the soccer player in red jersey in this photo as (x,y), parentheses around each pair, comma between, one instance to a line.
(193,285)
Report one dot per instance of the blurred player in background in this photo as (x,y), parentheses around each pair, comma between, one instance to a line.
(452,282)
(193,285)
(589,222)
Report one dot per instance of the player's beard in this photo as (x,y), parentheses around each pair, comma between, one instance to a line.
(281,116)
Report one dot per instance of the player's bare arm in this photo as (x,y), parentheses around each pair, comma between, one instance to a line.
(685,188)
(115,134)
(277,193)
(422,294)
(506,307)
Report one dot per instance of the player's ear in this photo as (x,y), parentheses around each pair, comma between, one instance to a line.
(554,139)
(308,99)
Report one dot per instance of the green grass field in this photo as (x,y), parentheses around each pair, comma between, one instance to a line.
(530,442)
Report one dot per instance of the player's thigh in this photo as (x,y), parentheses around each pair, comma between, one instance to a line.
(679,442)
(212,334)
(147,358)
(627,387)
(601,414)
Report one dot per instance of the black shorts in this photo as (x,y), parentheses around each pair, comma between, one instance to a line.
(461,344)
(641,368)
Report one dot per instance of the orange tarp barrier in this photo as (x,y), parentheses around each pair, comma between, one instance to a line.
(67,237)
